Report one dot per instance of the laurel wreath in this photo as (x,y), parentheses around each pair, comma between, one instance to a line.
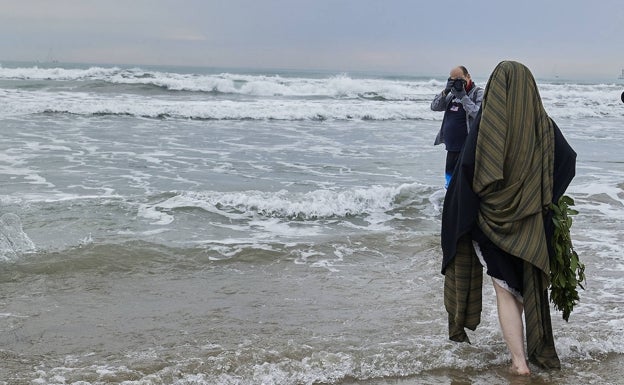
(566,271)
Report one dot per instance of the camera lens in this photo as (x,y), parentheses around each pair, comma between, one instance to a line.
(458,85)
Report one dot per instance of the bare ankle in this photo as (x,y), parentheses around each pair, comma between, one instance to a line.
(520,369)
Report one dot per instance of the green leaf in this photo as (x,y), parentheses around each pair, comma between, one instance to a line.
(568,201)
(566,271)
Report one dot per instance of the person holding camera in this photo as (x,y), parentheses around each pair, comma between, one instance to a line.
(460,101)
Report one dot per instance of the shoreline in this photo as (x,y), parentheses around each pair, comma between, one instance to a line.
(607,371)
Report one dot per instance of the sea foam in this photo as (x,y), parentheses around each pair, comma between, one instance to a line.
(13,240)
(318,204)
(244,96)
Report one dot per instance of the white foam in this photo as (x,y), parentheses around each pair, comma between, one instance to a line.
(13,240)
(36,73)
(597,188)
(576,101)
(335,86)
(11,315)
(282,204)
(153,214)
(56,197)
(19,103)
(271,97)
(13,165)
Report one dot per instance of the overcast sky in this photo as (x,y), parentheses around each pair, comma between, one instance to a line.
(570,38)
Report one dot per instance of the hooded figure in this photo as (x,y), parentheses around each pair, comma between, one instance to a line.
(514,164)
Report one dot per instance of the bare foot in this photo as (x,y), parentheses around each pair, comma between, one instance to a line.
(520,370)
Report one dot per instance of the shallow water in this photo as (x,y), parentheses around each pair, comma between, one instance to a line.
(165,247)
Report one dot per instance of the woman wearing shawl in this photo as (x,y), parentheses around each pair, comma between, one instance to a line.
(514,164)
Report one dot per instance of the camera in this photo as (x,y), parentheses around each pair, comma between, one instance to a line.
(459,84)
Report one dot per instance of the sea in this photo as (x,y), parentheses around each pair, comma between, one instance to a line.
(169,225)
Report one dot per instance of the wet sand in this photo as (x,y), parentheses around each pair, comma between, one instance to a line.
(608,370)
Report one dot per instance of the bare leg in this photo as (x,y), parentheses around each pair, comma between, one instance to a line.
(510,318)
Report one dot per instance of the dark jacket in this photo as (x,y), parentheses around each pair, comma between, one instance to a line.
(471,102)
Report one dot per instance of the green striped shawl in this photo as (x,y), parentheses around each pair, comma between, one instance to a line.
(513,178)
(514,164)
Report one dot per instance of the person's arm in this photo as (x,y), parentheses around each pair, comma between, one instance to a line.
(440,102)
(472,106)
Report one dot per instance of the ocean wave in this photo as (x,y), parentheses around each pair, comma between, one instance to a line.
(318,204)
(89,104)
(417,360)
(334,86)
(373,107)
(146,93)
(57,73)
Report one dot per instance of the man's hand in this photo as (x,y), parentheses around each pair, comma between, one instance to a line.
(449,86)
(458,94)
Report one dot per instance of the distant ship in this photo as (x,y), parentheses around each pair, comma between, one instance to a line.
(621,75)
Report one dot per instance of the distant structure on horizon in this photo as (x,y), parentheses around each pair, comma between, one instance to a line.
(621,75)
